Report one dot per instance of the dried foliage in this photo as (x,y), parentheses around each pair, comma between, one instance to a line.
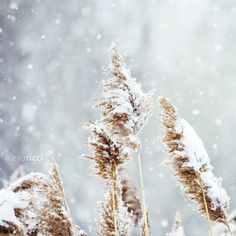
(11,229)
(56,178)
(124,106)
(198,183)
(124,218)
(130,197)
(107,153)
(106,223)
(46,212)
(124,111)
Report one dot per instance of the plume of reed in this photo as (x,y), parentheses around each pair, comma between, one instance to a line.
(124,218)
(192,164)
(145,229)
(130,197)
(46,211)
(124,111)
(124,106)
(58,184)
(107,154)
(112,139)
(177,229)
(56,178)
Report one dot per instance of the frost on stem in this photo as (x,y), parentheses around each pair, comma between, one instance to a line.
(143,226)
(46,211)
(177,229)
(192,164)
(124,218)
(124,106)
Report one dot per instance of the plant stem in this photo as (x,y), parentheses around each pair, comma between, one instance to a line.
(143,192)
(206,208)
(114,198)
(227,223)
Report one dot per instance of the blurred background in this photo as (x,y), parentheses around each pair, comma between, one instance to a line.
(51,59)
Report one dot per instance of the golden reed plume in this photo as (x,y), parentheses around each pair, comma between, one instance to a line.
(124,218)
(45,211)
(192,164)
(124,110)
(107,153)
(124,106)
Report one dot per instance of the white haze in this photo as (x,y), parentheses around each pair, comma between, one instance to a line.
(51,59)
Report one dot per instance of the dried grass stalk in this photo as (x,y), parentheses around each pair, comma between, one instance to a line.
(56,178)
(107,214)
(192,164)
(125,108)
(145,229)
(124,111)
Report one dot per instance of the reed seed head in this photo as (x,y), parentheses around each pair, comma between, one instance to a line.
(191,164)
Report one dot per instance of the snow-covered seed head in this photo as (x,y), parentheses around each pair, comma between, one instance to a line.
(124,218)
(192,164)
(117,64)
(177,229)
(124,106)
(56,178)
(35,204)
(107,153)
(124,111)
